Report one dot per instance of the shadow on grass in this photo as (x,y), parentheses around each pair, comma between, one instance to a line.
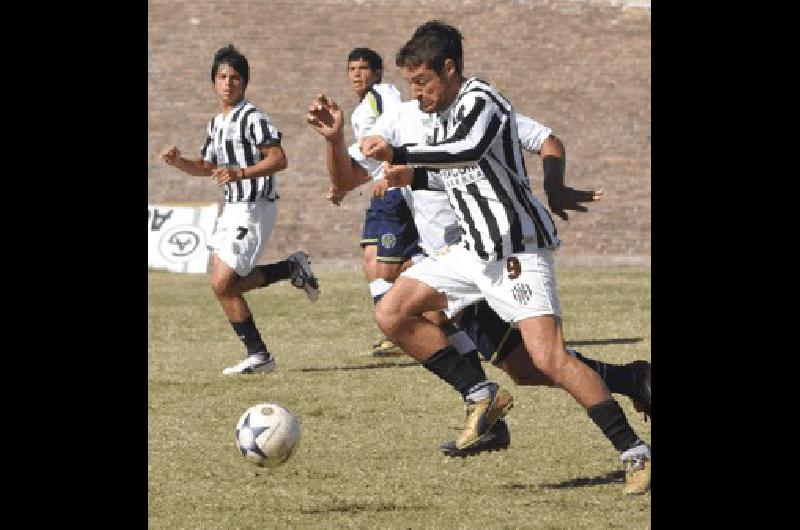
(601,342)
(385,364)
(581,482)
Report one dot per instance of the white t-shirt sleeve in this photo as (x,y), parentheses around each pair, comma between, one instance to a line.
(532,134)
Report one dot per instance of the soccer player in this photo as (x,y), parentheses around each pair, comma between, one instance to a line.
(389,237)
(480,329)
(242,152)
(505,255)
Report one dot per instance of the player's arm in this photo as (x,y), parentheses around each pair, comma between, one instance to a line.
(197,167)
(561,197)
(539,139)
(273,160)
(464,146)
(327,119)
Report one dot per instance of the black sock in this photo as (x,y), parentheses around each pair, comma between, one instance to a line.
(275,272)
(619,379)
(472,356)
(609,417)
(249,335)
(456,369)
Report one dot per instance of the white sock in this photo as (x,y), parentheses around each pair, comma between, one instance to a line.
(480,391)
(379,287)
(461,341)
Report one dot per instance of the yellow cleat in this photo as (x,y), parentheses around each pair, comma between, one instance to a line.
(482,415)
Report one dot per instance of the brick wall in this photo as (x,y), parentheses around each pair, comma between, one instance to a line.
(582,68)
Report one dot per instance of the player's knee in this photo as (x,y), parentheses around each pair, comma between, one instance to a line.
(221,287)
(388,316)
(389,271)
(550,365)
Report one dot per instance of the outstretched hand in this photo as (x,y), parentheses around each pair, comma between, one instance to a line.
(325,117)
(565,198)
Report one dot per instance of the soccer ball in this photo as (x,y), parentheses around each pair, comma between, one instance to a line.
(267,434)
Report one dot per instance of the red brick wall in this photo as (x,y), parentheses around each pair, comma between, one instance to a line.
(582,68)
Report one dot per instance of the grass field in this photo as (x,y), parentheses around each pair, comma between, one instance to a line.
(368,455)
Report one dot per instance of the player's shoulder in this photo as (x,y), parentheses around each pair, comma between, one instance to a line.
(476,88)
(380,97)
(385,90)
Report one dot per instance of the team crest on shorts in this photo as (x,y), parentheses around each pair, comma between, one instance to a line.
(388,240)
(522,293)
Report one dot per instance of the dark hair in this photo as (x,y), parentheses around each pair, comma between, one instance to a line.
(431,44)
(231,56)
(365,54)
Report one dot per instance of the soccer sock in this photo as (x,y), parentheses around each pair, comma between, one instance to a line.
(609,417)
(619,379)
(249,335)
(455,369)
(275,272)
(378,288)
(461,341)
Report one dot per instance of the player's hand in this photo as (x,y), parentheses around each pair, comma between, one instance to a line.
(335,195)
(376,147)
(226,174)
(170,154)
(325,117)
(565,198)
(397,175)
(379,190)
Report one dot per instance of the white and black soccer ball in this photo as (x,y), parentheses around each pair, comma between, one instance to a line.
(267,434)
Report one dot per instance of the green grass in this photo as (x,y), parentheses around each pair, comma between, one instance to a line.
(368,455)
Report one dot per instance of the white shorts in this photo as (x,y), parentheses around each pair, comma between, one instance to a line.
(466,279)
(242,232)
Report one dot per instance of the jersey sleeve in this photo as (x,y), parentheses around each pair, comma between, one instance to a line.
(481,122)
(532,134)
(207,151)
(262,131)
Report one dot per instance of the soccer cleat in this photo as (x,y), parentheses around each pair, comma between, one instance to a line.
(483,414)
(302,277)
(498,438)
(386,348)
(636,462)
(252,364)
(641,401)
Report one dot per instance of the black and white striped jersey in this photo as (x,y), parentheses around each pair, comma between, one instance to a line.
(233,140)
(477,152)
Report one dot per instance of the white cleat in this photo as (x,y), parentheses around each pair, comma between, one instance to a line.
(251,365)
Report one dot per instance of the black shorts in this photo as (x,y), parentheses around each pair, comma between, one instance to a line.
(494,337)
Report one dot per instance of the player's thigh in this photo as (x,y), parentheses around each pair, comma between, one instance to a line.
(410,297)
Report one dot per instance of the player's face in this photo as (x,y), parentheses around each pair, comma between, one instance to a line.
(229,85)
(361,76)
(427,87)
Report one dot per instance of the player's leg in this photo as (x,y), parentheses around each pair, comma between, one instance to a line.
(369,244)
(539,319)
(397,249)
(238,242)
(399,315)
(224,281)
(501,344)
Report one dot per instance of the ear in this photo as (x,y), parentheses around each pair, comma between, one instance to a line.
(449,68)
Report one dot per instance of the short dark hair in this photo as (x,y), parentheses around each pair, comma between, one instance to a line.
(232,57)
(431,44)
(365,54)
